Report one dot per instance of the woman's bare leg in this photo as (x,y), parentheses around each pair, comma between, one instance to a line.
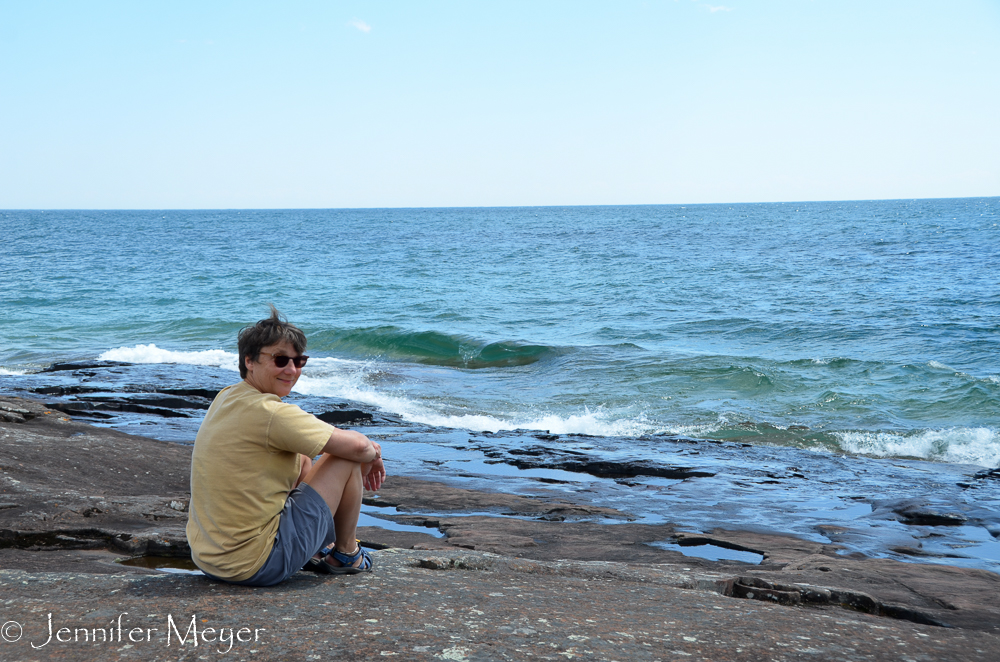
(338,481)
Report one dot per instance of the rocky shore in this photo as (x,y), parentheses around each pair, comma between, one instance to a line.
(544,575)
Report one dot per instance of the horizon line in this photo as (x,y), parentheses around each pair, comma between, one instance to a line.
(551,206)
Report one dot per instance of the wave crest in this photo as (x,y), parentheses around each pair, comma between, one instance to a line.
(955,445)
(430,347)
(153,354)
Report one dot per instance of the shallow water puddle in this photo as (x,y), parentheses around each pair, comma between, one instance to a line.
(171,564)
(369,520)
(712,552)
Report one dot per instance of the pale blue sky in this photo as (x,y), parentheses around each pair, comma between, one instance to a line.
(407,103)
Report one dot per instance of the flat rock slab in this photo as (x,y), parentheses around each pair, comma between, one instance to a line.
(411,494)
(69,485)
(434,606)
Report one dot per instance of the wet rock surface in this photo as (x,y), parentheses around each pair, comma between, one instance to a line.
(537,457)
(130,395)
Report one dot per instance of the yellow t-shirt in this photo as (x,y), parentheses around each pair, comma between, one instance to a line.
(245,461)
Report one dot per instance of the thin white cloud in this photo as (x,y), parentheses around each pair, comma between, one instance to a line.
(714,9)
(360,25)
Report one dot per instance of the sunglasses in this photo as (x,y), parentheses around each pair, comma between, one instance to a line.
(281,360)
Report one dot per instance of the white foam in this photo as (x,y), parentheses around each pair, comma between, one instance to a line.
(957,445)
(693,431)
(338,378)
(322,377)
(347,379)
(153,354)
(4,371)
(592,423)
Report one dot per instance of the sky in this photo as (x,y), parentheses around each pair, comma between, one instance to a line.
(405,103)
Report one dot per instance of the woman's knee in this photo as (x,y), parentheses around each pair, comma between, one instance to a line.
(329,468)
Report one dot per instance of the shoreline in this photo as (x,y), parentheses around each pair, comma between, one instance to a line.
(897,508)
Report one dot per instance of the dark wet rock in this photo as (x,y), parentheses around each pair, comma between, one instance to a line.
(342,416)
(925,515)
(540,457)
(79,411)
(916,551)
(611,469)
(87,407)
(207,393)
(162,402)
(83,365)
(932,518)
(988,473)
(171,400)
(66,390)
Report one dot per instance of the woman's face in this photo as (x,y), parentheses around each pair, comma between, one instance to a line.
(266,377)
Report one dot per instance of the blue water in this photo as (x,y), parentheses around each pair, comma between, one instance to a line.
(866,328)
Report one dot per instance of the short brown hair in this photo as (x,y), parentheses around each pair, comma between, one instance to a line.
(266,332)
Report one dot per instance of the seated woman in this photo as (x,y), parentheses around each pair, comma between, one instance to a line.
(260,509)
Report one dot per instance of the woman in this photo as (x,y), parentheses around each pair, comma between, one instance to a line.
(260,509)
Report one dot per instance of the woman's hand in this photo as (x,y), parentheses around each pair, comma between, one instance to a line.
(373,473)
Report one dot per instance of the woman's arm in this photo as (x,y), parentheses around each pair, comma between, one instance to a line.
(356,447)
(353,446)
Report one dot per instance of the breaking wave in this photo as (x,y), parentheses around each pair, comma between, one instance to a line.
(429,347)
(152,354)
(960,445)
(339,378)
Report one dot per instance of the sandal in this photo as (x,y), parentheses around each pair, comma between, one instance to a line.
(347,561)
(312,565)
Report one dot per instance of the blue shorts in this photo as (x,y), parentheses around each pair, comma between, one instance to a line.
(305,527)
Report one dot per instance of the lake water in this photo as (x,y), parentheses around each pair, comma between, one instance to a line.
(867,328)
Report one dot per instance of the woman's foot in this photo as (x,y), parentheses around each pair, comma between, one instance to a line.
(343,563)
(336,562)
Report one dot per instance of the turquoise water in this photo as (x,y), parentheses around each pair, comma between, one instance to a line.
(861,327)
